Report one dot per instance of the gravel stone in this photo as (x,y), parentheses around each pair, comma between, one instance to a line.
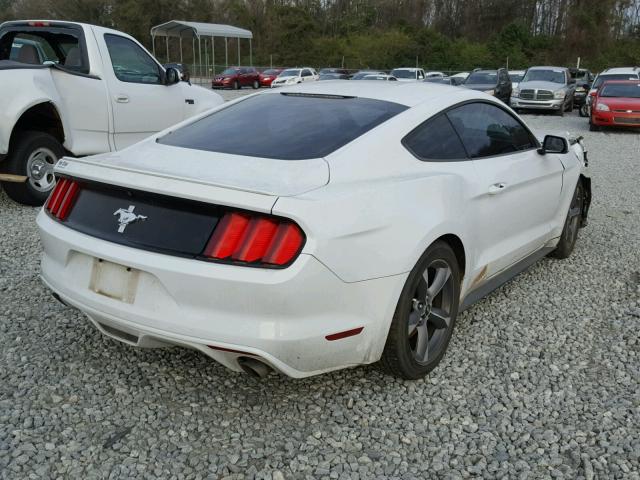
(541,380)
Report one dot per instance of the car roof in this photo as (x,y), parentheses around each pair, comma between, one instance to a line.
(548,68)
(517,71)
(408,94)
(622,70)
(53,23)
(623,82)
(409,69)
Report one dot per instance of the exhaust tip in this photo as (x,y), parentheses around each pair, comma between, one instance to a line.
(253,367)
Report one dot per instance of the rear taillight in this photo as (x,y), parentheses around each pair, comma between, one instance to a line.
(255,239)
(62,198)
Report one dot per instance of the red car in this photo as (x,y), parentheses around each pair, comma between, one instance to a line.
(269,76)
(616,103)
(236,78)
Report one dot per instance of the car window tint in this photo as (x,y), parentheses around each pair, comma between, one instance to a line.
(435,139)
(130,62)
(291,127)
(487,130)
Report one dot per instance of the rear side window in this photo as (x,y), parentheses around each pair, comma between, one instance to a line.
(436,140)
(284,126)
(486,130)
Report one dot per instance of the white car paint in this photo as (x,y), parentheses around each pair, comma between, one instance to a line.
(300,75)
(99,113)
(367,221)
(408,74)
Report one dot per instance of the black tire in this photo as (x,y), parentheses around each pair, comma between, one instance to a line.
(236,85)
(433,320)
(256,84)
(25,146)
(593,127)
(560,111)
(572,224)
(584,110)
(570,108)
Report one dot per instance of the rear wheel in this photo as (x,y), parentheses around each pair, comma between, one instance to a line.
(571,225)
(236,85)
(33,154)
(425,315)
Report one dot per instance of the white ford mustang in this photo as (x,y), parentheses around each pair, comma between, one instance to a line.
(349,226)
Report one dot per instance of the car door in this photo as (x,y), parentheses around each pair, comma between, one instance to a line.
(518,190)
(307,76)
(141,103)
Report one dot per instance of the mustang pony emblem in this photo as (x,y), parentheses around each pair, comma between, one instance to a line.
(126,217)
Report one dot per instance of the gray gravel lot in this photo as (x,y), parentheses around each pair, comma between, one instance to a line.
(542,378)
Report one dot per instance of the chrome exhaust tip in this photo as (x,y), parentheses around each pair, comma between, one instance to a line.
(253,367)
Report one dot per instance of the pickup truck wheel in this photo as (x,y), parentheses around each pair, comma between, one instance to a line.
(33,154)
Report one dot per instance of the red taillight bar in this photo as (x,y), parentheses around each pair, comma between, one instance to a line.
(62,198)
(255,239)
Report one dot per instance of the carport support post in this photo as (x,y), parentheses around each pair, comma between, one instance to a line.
(250,54)
(226,53)
(193,47)
(181,48)
(200,55)
(238,40)
(206,58)
(213,55)
(166,41)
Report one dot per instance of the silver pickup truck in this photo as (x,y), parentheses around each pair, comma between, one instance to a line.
(545,88)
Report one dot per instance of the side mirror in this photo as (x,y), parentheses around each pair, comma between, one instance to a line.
(172,76)
(553,144)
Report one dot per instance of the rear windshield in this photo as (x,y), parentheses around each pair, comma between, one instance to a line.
(479,78)
(403,73)
(284,126)
(613,76)
(631,90)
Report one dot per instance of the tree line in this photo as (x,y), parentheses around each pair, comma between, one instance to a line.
(437,34)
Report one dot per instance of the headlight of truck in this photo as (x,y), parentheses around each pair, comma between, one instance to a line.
(515,93)
(601,107)
(559,95)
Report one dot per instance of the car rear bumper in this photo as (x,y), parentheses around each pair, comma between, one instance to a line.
(280,317)
(617,119)
(537,104)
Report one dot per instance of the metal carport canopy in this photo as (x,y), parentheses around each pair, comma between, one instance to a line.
(178,28)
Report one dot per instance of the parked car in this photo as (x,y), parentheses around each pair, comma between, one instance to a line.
(618,73)
(461,75)
(333,76)
(617,103)
(434,75)
(408,74)
(516,77)
(545,88)
(236,78)
(256,250)
(360,74)
(343,72)
(98,90)
(182,69)
(291,76)
(443,80)
(269,76)
(383,77)
(492,82)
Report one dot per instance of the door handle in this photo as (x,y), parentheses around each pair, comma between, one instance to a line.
(122,98)
(497,188)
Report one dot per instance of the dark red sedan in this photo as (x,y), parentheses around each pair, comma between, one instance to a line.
(269,76)
(616,103)
(236,78)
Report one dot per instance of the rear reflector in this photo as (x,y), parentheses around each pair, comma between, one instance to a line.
(255,239)
(62,198)
(345,334)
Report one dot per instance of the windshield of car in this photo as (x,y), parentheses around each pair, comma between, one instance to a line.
(515,77)
(399,73)
(271,71)
(230,71)
(612,76)
(554,76)
(482,78)
(629,90)
(292,126)
(290,73)
(361,75)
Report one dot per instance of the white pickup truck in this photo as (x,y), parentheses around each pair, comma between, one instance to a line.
(74,89)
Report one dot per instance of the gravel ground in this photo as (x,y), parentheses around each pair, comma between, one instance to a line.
(542,378)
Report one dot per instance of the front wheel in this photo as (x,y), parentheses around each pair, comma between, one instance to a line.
(425,315)
(33,154)
(256,84)
(572,223)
